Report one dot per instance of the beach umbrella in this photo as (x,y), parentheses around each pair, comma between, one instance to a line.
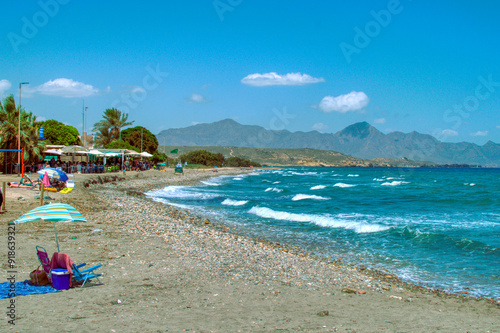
(54,173)
(56,212)
(146,154)
(52,152)
(95,152)
(74,149)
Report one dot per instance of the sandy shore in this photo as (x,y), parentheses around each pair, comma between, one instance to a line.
(167,270)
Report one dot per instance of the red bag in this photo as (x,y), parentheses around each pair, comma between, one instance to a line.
(39,277)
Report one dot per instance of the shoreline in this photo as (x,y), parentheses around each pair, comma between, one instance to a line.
(204,255)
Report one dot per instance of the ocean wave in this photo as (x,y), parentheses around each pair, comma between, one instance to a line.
(344,185)
(180,192)
(307,173)
(273,189)
(209,183)
(320,220)
(394,183)
(318,187)
(230,202)
(379,179)
(298,197)
(351,175)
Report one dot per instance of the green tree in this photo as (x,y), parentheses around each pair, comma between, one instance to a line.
(109,128)
(203,157)
(58,133)
(137,135)
(239,162)
(9,123)
(120,144)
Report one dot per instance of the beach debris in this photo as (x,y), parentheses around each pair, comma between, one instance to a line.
(21,198)
(207,221)
(362,292)
(119,301)
(386,288)
(348,290)
(95,230)
(396,297)
(323,313)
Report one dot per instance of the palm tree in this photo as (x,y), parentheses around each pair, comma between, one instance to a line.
(109,128)
(9,118)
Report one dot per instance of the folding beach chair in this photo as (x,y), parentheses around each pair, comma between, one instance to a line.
(43,257)
(83,276)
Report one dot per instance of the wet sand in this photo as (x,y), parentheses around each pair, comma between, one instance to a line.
(166,269)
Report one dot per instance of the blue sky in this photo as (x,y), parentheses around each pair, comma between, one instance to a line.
(427,66)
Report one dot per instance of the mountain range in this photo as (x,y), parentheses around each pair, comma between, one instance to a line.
(360,140)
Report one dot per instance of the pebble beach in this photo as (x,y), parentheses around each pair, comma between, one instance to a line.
(167,269)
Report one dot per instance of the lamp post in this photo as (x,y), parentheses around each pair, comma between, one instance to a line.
(19,129)
(84,125)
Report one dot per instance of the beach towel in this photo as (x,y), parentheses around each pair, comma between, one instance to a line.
(62,260)
(7,290)
(46,181)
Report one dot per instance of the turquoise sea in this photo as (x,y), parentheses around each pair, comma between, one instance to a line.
(438,228)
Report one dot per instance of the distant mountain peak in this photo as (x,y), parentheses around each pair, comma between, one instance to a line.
(359,130)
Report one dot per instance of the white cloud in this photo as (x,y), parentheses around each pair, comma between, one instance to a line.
(344,103)
(65,88)
(480,133)
(447,133)
(379,121)
(196,98)
(4,86)
(137,90)
(274,79)
(320,127)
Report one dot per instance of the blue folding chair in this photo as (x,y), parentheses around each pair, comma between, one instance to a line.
(83,276)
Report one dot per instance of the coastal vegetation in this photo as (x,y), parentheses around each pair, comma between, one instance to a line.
(109,128)
(296,157)
(9,124)
(57,133)
(109,134)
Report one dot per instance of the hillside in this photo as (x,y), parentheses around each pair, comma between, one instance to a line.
(292,157)
(360,140)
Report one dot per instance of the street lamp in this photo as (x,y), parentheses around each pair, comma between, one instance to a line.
(19,129)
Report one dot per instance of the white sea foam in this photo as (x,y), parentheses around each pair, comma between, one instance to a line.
(318,187)
(210,183)
(343,185)
(229,202)
(180,192)
(321,220)
(379,179)
(351,175)
(238,178)
(308,196)
(277,182)
(393,183)
(307,173)
(172,203)
(274,189)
